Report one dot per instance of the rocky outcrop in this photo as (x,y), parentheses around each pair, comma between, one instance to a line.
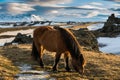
(86,39)
(111,28)
(112,24)
(20,39)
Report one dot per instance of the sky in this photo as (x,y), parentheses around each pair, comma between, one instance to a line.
(59,10)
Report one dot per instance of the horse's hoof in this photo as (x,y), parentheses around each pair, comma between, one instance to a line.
(67,69)
(42,66)
(54,69)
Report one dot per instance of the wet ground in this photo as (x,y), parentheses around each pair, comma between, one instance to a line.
(27,73)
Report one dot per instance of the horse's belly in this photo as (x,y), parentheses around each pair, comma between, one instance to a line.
(50,48)
(55,47)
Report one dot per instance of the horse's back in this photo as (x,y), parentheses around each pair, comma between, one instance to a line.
(40,30)
(50,39)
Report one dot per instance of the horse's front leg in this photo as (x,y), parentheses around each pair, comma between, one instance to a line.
(57,58)
(66,57)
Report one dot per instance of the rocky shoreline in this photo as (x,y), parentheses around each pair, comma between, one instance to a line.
(83,35)
(86,38)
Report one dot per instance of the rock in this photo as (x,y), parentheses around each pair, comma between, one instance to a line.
(111,28)
(22,39)
(111,25)
(7,44)
(86,39)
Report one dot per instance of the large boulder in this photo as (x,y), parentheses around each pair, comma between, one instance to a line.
(86,39)
(22,39)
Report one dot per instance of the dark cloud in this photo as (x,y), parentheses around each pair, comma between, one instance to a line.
(44,2)
(3,8)
(114,0)
(77,8)
(115,9)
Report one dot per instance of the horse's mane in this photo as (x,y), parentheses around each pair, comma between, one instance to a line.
(71,42)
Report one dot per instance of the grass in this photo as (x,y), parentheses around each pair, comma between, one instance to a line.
(99,66)
(82,26)
(7,68)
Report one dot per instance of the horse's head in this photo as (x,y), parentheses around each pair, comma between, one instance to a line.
(78,64)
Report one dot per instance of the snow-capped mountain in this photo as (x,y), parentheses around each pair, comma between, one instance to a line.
(20,18)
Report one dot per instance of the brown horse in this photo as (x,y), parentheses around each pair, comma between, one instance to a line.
(57,40)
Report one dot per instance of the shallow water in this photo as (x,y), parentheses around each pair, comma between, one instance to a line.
(95,26)
(112,44)
(6,40)
(29,31)
(27,73)
(109,45)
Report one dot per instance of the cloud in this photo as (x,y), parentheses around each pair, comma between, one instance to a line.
(24,6)
(116,5)
(92,14)
(54,11)
(52,2)
(57,9)
(19,8)
(0,7)
(96,3)
(113,0)
(46,2)
(74,13)
(91,7)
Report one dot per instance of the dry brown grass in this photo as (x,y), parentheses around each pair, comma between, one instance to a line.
(81,26)
(99,66)
(102,66)
(7,69)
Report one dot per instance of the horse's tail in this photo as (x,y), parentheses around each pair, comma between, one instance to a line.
(34,53)
(71,42)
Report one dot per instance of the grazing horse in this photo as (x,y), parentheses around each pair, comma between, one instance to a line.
(59,40)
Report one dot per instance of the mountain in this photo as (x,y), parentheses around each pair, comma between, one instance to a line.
(36,18)
(20,18)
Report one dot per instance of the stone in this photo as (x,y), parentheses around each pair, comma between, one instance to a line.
(22,39)
(86,39)
(111,25)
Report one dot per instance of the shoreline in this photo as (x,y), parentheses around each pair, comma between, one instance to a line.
(10,33)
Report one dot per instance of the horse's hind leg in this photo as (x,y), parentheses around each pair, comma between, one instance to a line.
(66,57)
(57,58)
(40,49)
